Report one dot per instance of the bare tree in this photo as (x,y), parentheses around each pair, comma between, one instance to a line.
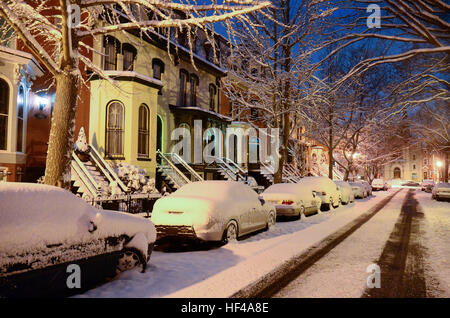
(270,67)
(55,31)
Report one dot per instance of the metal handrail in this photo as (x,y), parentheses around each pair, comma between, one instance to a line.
(92,186)
(173,167)
(229,168)
(245,173)
(85,171)
(110,170)
(188,167)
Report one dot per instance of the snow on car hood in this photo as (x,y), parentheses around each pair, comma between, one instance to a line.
(35,216)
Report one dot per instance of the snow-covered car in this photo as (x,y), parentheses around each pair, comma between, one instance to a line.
(441,191)
(366,186)
(359,191)
(47,234)
(379,184)
(292,199)
(411,183)
(211,211)
(347,195)
(427,185)
(324,188)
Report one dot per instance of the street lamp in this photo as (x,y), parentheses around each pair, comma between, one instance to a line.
(439,163)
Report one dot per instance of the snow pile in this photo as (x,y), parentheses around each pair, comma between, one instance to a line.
(81,144)
(134,178)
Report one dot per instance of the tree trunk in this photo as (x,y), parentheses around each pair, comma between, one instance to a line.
(57,172)
(445,172)
(330,161)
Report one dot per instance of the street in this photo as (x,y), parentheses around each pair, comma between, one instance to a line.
(402,238)
(407,237)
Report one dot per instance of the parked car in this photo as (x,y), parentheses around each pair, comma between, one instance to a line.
(45,231)
(367,186)
(292,199)
(347,195)
(211,211)
(379,184)
(359,191)
(324,188)
(427,185)
(411,184)
(441,191)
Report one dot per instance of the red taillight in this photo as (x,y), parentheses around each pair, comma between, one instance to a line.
(287,202)
(324,193)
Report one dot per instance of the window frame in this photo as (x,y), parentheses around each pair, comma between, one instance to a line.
(107,41)
(6,115)
(119,131)
(144,131)
(212,97)
(127,47)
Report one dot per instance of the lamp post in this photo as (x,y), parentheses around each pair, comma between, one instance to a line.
(439,165)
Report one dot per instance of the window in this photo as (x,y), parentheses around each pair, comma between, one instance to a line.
(194,89)
(114,129)
(20,104)
(414,167)
(129,55)
(254,113)
(4,112)
(143,131)
(158,68)
(112,47)
(184,78)
(212,97)
(425,161)
(414,157)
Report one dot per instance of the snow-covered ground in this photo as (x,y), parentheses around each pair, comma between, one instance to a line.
(221,272)
(342,272)
(437,242)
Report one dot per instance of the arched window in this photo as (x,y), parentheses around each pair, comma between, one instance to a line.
(4,112)
(20,116)
(158,68)
(194,88)
(114,130)
(397,173)
(184,79)
(129,55)
(143,131)
(212,97)
(112,48)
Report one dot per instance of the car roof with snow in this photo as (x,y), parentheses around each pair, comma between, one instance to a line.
(216,190)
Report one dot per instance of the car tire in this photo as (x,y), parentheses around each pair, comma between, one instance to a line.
(301,213)
(231,232)
(271,220)
(130,258)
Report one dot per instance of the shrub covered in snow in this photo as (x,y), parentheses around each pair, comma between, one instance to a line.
(134,178)
(81,144)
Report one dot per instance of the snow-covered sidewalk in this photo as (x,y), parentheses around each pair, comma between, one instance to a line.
(221,272)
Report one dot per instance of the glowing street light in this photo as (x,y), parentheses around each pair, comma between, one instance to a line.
(439,163)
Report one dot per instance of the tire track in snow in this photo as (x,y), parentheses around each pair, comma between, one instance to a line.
(402,259)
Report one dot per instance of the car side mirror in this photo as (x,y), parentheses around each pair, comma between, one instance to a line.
(262,201)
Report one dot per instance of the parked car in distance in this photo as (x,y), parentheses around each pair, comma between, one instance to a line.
(379,184)
(46,232)
(347,195)
(411,183)
(367,186)
(211,211)
(427,185)
(324,188)
(292,199)
(359,191)
(441,191)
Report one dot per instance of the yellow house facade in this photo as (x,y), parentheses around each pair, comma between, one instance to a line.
(154,93)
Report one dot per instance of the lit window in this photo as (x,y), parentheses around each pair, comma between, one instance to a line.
(114,129)
(20,104)
(143,131)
